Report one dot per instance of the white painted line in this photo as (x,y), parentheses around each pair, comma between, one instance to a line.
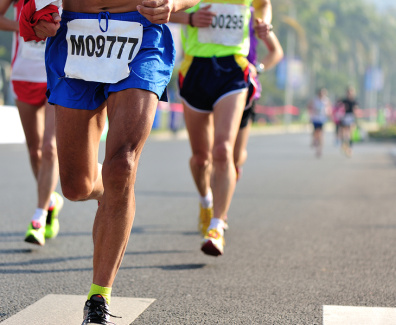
(68,309)
(348,315)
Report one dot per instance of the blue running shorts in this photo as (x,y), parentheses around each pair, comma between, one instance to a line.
(150,69)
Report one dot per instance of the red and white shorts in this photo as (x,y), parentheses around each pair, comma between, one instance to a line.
(32,93)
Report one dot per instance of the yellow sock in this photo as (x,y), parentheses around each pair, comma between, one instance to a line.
(105,292)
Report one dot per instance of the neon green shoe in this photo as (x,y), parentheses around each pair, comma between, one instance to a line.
(35,234)
(205,215)
(52,224)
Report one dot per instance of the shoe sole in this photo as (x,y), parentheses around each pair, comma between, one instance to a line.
(210,249)
(33,240)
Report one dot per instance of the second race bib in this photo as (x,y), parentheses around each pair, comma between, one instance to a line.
(32,50)
(227,26)
(99,56)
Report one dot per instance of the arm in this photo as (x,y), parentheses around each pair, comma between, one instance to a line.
(5,23)
(159,11)
(200,18)
(263,14)
(275,51)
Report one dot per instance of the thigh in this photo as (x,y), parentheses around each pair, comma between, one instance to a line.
(78,134)
(200,130)
(227,117)
(131,114)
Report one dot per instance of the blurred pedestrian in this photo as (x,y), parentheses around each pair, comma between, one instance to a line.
(320,110)
(337,114)
(348,120)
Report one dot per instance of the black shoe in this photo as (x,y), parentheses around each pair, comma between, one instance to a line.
(96,311)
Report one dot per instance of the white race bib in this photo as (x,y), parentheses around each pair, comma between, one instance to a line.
(227,26)
(33,50)
(99,56)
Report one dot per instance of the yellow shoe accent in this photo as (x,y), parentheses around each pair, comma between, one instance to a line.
(35,234)
(213,243)
(205,215)
(52,224)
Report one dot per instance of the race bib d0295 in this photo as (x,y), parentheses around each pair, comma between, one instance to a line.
(227,26)
(102,56)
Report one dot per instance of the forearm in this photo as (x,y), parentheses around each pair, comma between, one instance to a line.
(8,24)
(184,4)
(275,51)
(180,17)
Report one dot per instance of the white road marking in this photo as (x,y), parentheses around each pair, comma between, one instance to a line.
(68,309)
(348,315)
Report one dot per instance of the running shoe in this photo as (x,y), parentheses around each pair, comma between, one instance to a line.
(96,311)
(213,243)
(52,224)
(35,234)
(205,215)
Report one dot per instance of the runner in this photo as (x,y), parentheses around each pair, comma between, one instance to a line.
(319,109)
(350,106)
(338,113)
(120,55)
(214,82)
(273,57)
(38,122)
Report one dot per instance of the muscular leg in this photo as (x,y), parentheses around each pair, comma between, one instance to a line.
(130,123)
(240,152)
(227,117)
(39,127)
(49,172)
(319,141)
(32,119)
(200,131)
(78,135)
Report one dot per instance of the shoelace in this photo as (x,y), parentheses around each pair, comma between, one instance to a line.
(98,313)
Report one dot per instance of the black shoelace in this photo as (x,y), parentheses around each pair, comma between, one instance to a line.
(97,314)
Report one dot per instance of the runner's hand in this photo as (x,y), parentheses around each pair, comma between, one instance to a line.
(262,29)
(252,70)
(156,11)
(203,17)
(45,29)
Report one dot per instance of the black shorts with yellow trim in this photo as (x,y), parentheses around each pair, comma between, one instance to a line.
(204,81)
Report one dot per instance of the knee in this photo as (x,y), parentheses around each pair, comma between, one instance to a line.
(119,170)
(49,151)
(35,154)
(222,153)
(76,188)
(200,160)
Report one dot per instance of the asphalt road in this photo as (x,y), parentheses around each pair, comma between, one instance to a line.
(304,233)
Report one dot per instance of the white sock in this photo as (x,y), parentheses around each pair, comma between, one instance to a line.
(216,223)
(52,201)
(207,200)
(40,216)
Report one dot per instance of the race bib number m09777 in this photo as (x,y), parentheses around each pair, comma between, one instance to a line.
(99,56)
